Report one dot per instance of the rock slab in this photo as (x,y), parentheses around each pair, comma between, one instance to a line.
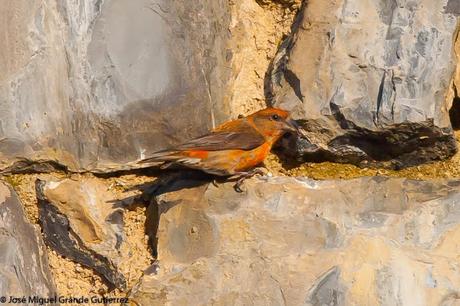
(80,221)
(370,79)
(24,269)
(287,241)
(94,84)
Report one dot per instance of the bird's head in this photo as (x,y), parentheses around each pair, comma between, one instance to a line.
(275,122)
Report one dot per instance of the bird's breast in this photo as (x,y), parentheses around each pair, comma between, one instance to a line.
(252,158)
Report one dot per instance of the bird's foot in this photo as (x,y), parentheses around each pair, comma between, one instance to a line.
(245,175)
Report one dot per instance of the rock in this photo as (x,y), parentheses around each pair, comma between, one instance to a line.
(454,94)
(95,84)
(369,79)
(287,241)
(24,269)
(453,7)
(80,221)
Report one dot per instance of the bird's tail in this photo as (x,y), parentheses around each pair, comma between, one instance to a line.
(162,156)
(169,158)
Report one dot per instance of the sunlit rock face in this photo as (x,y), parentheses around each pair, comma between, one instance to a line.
(24,269)
(83,221)
(93,84)
(287,241)
(370,79)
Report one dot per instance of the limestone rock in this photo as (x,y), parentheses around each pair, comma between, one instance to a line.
(24,269)
(287,241)
(454,94)
(81,221)
(92,84)
(370,79)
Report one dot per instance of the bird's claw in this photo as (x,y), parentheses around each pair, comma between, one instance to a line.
(245,175)
(237,187)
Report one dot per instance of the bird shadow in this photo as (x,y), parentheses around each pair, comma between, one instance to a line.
(148,194)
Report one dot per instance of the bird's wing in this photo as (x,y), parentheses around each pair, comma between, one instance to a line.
(218,141)
(237,137)
(233,135)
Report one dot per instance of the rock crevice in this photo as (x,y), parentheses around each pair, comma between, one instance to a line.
(353,70)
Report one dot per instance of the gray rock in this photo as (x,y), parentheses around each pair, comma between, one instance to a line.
(80,221)
(24,269)
(327,289)
(288,241)
(370,79)
(453,7)
(94,84)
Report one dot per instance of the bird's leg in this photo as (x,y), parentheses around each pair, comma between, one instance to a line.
(242,176)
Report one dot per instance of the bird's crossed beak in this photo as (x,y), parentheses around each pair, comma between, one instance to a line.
(292,126)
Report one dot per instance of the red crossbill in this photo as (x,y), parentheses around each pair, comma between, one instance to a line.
(233,148)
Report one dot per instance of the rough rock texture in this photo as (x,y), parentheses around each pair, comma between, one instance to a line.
(134,256)
(456,80)
(287,241)
(370,78)
(24,267)
(454,94)
(256,28)
(94,83)
(81,221)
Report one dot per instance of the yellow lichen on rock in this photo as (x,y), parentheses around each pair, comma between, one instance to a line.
(449,168)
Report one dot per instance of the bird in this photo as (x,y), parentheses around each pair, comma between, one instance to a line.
(233,149)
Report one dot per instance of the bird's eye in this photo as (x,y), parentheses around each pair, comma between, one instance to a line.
(276,117)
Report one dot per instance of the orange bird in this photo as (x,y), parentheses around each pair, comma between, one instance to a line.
(233,148)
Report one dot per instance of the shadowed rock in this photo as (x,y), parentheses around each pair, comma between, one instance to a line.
(24,269)
(80,222)
(327,290)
